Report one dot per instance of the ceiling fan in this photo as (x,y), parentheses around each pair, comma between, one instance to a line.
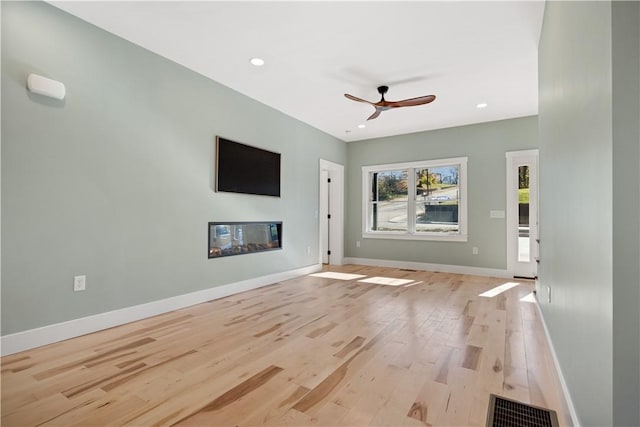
(384,105)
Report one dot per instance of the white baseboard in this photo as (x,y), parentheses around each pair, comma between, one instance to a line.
(563,383)
(20,341)
(444,268)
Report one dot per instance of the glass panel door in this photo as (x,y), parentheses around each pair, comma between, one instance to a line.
(524,230)
(522,213)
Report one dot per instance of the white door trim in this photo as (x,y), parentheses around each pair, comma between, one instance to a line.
(335,172)
(514,267)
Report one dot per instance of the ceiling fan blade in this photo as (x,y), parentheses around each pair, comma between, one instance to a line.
(412,101)
(384,105)
(355,98)
(374,115)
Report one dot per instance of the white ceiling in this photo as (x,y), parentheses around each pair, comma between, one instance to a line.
(465,53)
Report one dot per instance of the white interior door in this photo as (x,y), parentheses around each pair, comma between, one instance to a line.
(331,212)
(522,213)
(324,216)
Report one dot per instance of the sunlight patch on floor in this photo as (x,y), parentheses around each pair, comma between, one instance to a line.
(499,289)
(390,281)
(528,298)
(338,276)
(413,284)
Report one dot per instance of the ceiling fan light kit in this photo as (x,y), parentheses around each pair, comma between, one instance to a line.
(384,105)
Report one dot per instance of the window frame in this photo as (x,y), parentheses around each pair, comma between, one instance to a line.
(459,236)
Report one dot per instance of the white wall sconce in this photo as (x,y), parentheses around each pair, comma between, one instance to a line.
(44,86)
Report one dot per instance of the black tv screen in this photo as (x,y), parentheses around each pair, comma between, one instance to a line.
(245,169)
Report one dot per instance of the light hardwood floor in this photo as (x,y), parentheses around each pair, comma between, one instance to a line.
(308,351)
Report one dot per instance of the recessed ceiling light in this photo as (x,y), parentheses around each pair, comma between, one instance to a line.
(361,126)
(482,105)
(258,62)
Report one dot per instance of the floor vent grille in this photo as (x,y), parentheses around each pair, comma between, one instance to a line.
(510,413)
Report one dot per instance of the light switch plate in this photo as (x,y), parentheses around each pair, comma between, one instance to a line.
(496,214)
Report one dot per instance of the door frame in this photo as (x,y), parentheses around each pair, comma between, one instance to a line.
(515,267)
(335,201)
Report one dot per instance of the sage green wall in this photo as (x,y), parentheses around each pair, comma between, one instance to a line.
(589,238)
(626,214)
(115,182)
(575,214)
(485,145)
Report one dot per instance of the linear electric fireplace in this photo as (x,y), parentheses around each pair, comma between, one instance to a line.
(239,238)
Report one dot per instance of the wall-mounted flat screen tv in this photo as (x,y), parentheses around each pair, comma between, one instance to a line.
(245,169)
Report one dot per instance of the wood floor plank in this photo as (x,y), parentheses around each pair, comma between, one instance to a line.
(308,351)
(270,409)
(429,402)
(204,415)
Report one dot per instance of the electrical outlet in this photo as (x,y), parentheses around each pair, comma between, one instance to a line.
(357,243)
(474,250)
(308,249)
(79,283)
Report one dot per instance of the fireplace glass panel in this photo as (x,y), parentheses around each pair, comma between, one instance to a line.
(239,238)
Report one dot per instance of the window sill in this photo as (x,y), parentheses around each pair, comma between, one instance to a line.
(441,237)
